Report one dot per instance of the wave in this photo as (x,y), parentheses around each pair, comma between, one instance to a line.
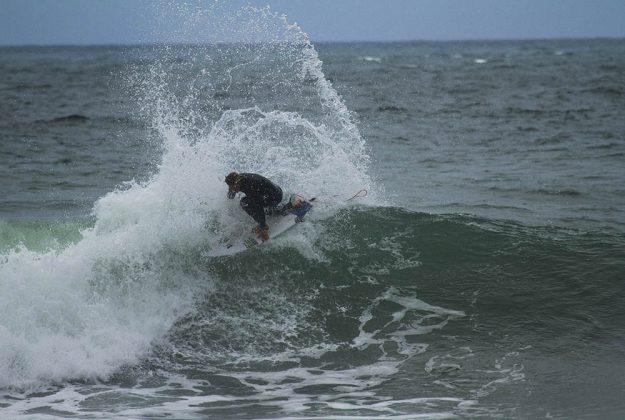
(391,109)
(101,297)
(81,299)
(341,306)
(73,118)
(567,192)
(39,235)
(611,92)
(371,59)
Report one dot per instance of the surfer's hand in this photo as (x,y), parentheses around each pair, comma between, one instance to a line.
(285,209)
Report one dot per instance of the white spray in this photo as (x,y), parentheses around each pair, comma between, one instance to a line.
(84,311)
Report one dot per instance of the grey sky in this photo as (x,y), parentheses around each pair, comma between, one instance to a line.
(45,22)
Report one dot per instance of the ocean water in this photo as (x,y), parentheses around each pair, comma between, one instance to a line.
(481,276)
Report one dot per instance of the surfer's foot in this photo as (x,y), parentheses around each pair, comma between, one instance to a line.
(262,233)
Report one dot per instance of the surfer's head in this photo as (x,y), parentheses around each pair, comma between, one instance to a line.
(233,179)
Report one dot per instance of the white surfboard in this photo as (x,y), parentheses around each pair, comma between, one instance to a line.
(277,225)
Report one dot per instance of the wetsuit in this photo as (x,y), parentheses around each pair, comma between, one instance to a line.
(259,193)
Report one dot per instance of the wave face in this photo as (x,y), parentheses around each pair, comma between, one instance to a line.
(372,311)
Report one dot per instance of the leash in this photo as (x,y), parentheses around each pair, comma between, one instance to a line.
(360,194)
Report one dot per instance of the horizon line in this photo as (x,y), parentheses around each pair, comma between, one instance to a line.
(398,41)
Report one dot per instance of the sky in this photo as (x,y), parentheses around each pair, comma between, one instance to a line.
(89,22)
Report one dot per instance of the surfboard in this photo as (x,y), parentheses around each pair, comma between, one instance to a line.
(278,224)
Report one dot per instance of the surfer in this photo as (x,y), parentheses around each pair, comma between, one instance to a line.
(260,193)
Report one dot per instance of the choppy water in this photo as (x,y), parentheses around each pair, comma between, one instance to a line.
(482,275)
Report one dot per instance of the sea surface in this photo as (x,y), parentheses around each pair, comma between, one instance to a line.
(483,275)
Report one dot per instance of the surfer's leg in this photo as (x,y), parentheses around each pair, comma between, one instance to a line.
(255,209)
(271,203)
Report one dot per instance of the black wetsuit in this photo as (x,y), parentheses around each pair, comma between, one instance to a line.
(259,193)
